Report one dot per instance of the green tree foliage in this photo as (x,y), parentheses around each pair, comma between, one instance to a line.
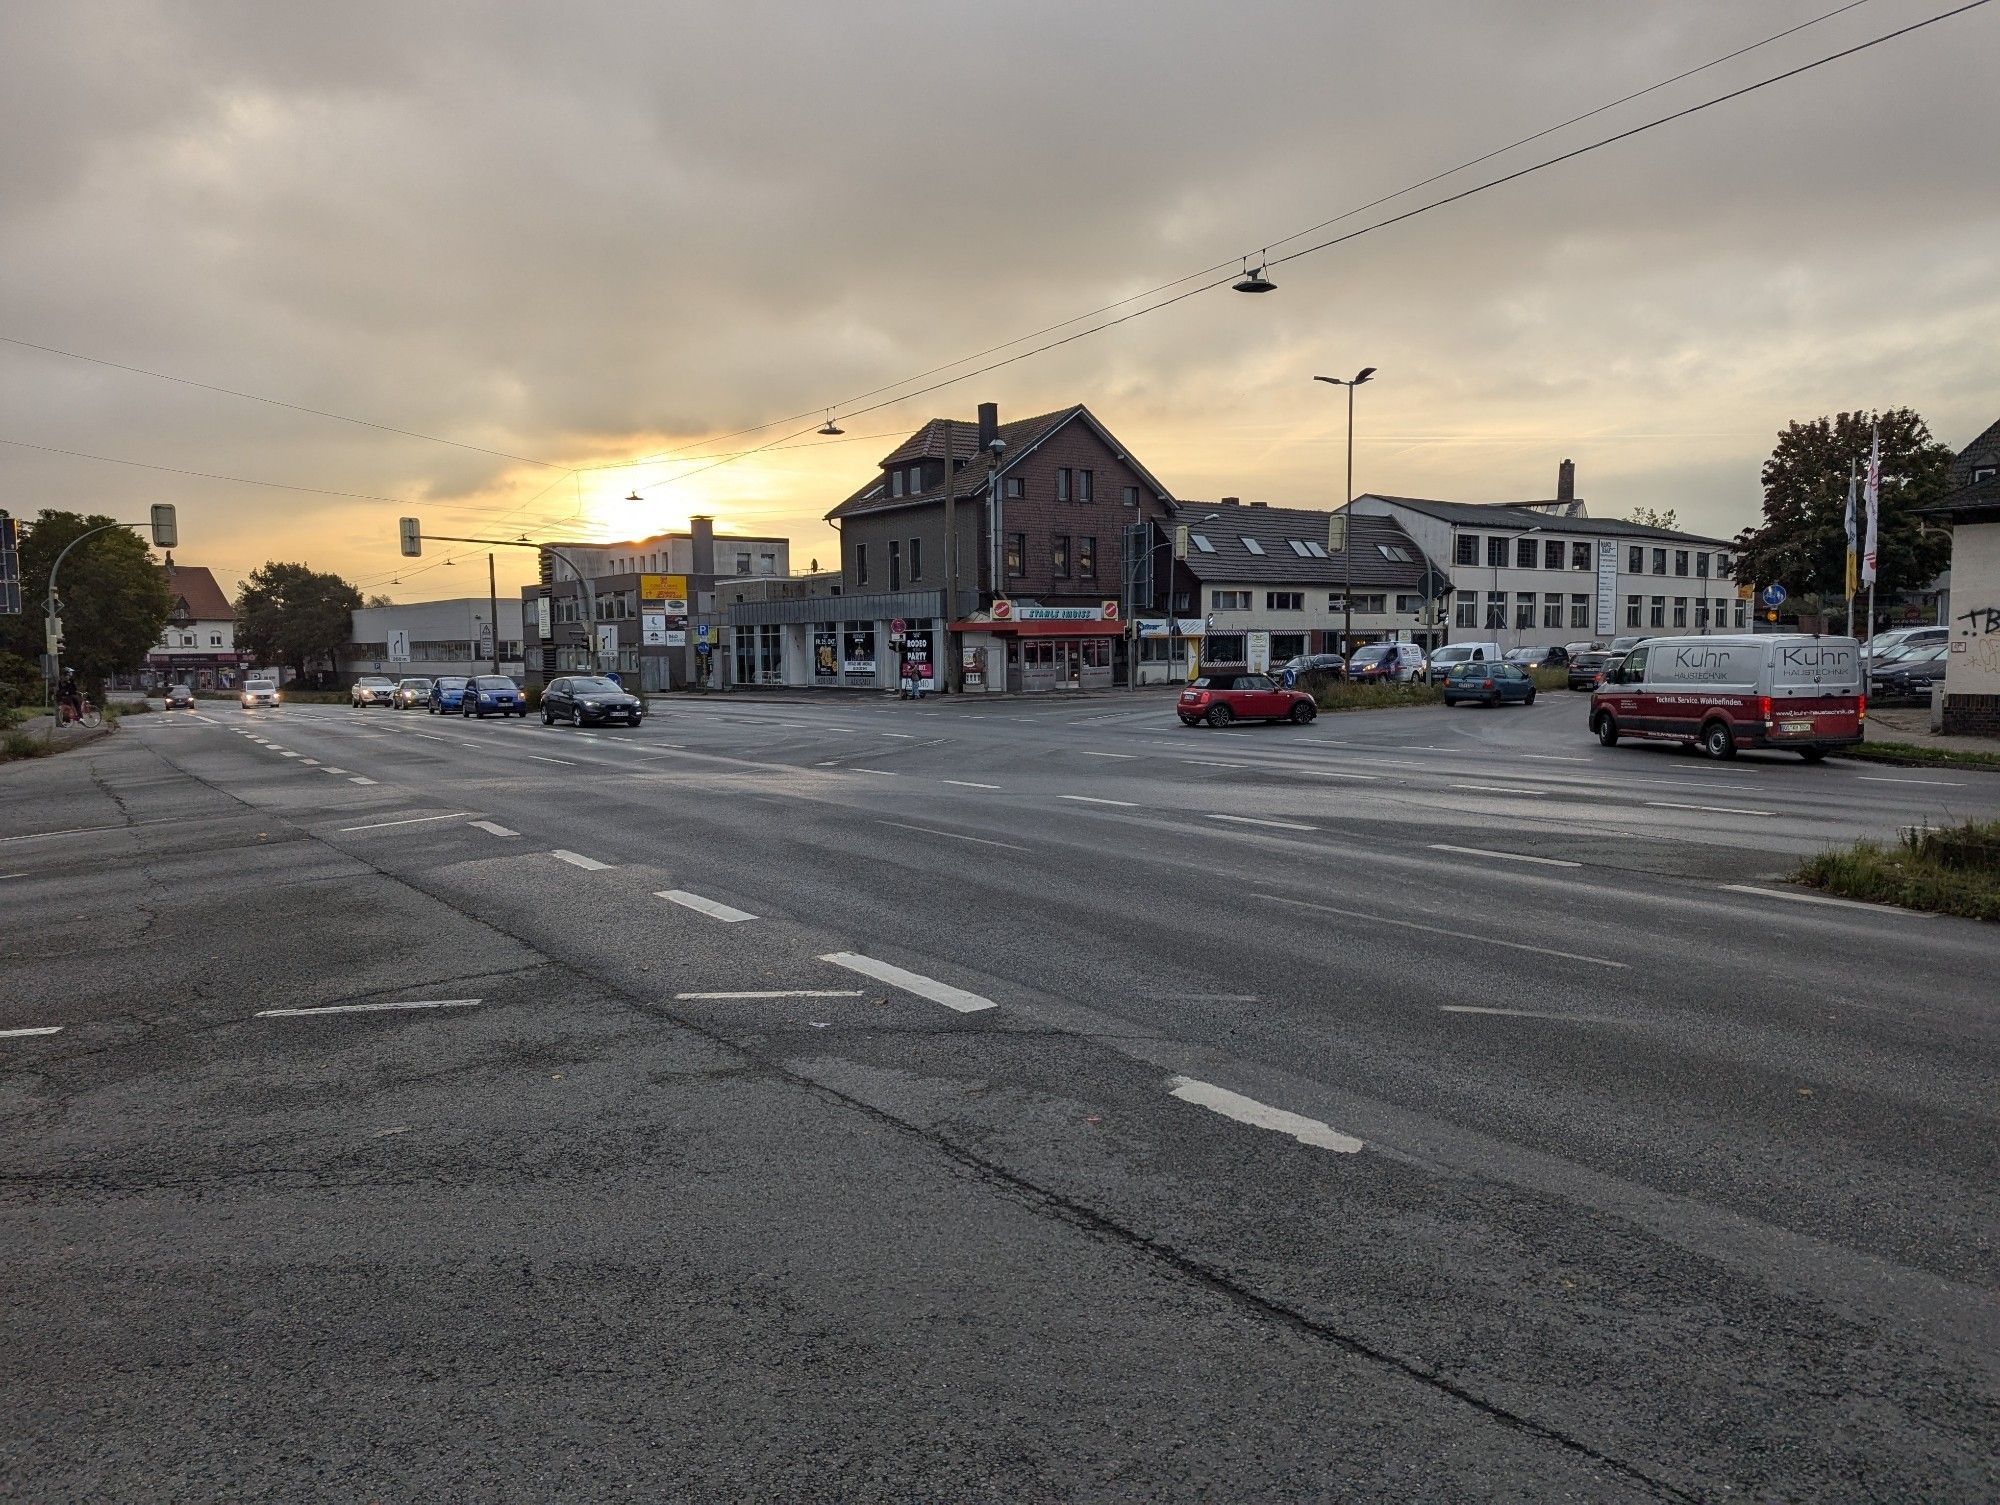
(289,614)
(1657,517)
(114,597)
(1803,541)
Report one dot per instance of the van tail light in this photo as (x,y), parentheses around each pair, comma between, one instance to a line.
(1861,708)
(1763,708)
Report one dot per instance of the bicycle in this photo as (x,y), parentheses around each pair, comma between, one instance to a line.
(83,713)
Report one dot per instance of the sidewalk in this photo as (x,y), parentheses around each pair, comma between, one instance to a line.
(792,695)
(1911,724)
(61,738)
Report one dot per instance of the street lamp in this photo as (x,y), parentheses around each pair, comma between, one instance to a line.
(1347,596)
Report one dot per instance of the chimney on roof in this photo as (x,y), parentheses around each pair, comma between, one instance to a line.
(1260,504)
(1566,481)
(1231,501)
(989,424)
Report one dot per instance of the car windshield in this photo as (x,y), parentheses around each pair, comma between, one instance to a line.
(1373,654)
(450,682)
(494,682)
(261,685)
(414,684)
(594,687)
(374,681)
(1212,681)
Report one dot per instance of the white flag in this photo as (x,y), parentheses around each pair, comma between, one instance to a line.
(1873,494)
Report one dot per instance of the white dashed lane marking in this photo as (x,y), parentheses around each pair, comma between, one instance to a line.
(491,829)
(367,1008)
(910,982)
(577,859)
(954,835)
(1247,1110)
(38,1029)
(1439,846)
(413,820)
(1086,799)
(1457,935)
(714,909)
(1252,820)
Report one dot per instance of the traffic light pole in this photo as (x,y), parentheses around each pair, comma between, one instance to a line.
(589,592)
(163,526)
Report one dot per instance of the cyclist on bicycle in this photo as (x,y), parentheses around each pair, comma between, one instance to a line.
(69,698)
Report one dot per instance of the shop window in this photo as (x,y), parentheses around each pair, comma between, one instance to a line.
(1286,645)
(1096,651)
(1222,648)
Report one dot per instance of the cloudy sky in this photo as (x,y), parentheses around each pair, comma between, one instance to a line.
(587,233)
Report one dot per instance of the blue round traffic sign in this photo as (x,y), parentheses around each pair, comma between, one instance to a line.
(1774,595)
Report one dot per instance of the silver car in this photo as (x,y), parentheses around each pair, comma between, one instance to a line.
(372,689)
(260,692)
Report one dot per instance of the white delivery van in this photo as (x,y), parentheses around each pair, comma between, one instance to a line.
(1786,689)
(1442,658)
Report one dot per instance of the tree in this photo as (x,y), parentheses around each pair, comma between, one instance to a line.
(289,614)
(378,599)
(1802,543)
(114,598)
(1656,517)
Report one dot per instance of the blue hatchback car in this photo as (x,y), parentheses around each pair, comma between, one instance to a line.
(1488,684)
(491,695)
(447,694)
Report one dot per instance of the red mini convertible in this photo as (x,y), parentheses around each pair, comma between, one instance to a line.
(1220,699)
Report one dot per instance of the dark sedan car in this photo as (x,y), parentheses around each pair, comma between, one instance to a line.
(1554,656)
(180,698)
(1220,699)
(1910,677)
(1488,684)
(589,700)
(1312,663)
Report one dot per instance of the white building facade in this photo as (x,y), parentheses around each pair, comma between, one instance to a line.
(429,638)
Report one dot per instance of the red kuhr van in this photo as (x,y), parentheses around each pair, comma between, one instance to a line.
(1786,690)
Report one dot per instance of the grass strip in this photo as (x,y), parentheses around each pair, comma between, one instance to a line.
(1952,870)
(1913,755)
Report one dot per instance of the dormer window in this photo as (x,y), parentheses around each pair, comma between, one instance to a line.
(1981,474)
(895,483)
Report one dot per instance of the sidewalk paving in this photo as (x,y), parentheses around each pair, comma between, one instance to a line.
(1912,724)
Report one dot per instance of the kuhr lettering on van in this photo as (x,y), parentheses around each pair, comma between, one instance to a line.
(1816,656)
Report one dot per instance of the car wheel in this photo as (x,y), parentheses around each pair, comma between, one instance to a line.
(1531,698)
(1606,729)
(548,717)
(1221,716)
(1717,741)
(1303,713)
(1813,754)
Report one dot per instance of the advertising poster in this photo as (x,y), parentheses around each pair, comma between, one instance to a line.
(858,650)
(826,655)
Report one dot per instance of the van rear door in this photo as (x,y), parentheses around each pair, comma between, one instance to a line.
(1816,691)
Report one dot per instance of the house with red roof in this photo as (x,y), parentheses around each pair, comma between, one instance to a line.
(198,645)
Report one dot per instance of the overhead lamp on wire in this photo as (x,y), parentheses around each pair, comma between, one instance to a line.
(633,496)
(1255,282)
(830,428)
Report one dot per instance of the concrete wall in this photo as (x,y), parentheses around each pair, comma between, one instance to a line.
(444,636)
(1972,680)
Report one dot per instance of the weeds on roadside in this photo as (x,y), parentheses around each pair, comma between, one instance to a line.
(1947,870)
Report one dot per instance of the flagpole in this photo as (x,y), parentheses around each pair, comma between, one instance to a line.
(1848,583)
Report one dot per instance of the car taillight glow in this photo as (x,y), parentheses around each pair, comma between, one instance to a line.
(1763,708)
(1861,708)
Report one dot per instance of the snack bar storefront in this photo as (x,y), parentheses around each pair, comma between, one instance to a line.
(1035,648)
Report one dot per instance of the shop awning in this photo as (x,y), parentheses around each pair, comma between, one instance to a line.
(1044,629)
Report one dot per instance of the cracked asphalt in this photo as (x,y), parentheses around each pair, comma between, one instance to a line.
(789,1100)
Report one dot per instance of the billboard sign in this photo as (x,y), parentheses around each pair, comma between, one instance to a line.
(670,592)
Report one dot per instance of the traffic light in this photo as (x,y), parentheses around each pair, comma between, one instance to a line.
(1336,533)
(166,531)
(413,537)
(1180,541)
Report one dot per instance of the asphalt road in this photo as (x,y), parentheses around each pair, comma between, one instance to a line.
(854,1100)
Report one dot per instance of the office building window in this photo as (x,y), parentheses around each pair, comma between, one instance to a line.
(1286,601)
(1059,555)
(1579,556)
(1579,612)
(1659,561)
(1017,553)
(1740,606)
(1701,566)
(1631,611)
(1063,484)
(1468,548)
(1722,567)
(1467,614)
(1086,485)
(1496,552)
(1131,496)
(1656,613)
(1680,611)
(1680,561)
(1086,558)
(1229,600)
(1552,554)
(1014,488)
(1524,610)
(1552,610)
(1701,613)
(861,563)
(1524,553)
(1635,560)
(916,559)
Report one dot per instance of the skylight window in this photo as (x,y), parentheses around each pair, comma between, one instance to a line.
(1202,543)
(1298,548)
(1251,544)
(1317,550)
(1394,551)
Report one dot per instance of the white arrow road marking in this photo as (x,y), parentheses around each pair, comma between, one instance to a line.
(1248,1110)
(367,1008)
(910,982)
(709,907)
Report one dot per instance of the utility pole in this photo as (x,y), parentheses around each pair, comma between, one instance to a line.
(493,605)
(954,669)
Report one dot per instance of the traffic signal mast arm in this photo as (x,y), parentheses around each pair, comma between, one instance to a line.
(413,537)
(166,533)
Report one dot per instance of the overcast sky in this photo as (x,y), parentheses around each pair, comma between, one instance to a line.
(584,233)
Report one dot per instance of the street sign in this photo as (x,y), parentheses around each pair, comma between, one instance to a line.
(704,647)
(10,569)
(485,641)
(1774,595)
(898,625)
(399,646)
(701,632)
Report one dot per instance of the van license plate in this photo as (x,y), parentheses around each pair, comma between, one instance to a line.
(1795,726)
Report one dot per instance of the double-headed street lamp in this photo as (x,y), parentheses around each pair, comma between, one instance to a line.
(1347,511)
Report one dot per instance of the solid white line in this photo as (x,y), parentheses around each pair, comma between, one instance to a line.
(1466,1008)
(359,779)
(955,836)
(1708,809)
(1089,754)
(414,820)
(1441,846)
(1251,820)
(1779,893)
(366,1008)
(781,993)
(1247,1110)
(910,982)
(39,1029)
(1555,758)
(968,784)
(82,830)
(709,907)
(491,828)
(1085,799)
(1869,778)
(1211,763)
(538,758)
(577,859)
(1457,935)
(1322,773)
(1499,789)
(887,773)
